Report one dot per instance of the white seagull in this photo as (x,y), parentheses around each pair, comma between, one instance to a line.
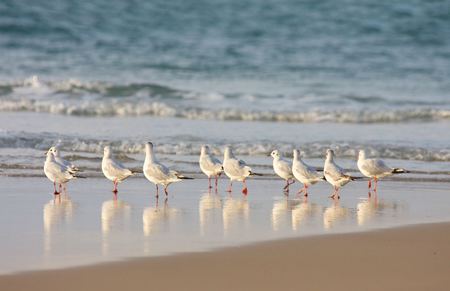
(56,172)
(334,174)
(375,169)
(307,175)
(283,169)
(113,170)
(157,173)
(210,165)
(236,170)
(62,161)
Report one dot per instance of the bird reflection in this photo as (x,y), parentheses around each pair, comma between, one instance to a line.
(303,211)
(333,214)
(112,211)
(370,207)
(280,212)
(153,218)
(234,211)
(57,211)
(207,207)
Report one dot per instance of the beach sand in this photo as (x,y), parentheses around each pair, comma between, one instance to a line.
(408,258)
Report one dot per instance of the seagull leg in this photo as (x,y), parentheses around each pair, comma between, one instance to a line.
(54,186)
(230,187)
(157,191)
(300,191)
(370,183)
(217,181)
(306,190)
(115,187)
(244,190)
(165,191)
(286,187)
(209,182)
(376,184)
(334,193)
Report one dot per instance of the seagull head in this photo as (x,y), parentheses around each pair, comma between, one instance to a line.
(107,151)
(296,153)
(205,149)
(228,153)
(51,151)
(148,146)
(275,154)
(56,150)
(362,154)
(330,153)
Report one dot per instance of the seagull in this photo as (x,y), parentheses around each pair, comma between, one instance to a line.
(157,173)
(210,165)
(375,169)
(113,170)
(236,170)
(59,159)
(307,175)
(334,174)
(56,172)
(283,169)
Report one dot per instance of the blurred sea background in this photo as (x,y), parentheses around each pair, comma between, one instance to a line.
(255,74)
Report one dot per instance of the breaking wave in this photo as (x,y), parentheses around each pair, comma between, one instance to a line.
(78,146)
(78,98)
(162,109)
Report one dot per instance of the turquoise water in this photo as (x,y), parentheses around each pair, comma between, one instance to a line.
(332,60)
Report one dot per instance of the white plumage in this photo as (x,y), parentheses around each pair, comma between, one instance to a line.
(236,170)
(334,174)
(282,168)
(210,165)
(112,169)
(62,161)
(157,173)
(375,168)
(56,172)
(307,175)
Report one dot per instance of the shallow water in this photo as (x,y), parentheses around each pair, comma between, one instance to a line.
(89,226)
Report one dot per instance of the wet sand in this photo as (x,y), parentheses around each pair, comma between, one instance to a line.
(408,258)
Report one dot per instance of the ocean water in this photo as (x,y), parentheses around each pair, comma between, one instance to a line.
(278,74)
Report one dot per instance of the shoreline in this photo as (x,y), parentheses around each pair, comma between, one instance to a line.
(397,254)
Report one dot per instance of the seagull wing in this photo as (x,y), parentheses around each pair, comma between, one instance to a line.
(375,166)
(116,169)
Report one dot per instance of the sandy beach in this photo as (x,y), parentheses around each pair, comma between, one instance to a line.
(408,258)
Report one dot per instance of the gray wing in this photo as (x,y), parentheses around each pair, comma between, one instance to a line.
(116,169)
(335,172)
(236,167)
(285,166)
(375,166)
(158,171)
(211,163)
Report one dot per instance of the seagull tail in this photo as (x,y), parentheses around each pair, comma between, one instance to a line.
(79,176)
(256,174)
(399,171)
(355,178)
(184,177)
